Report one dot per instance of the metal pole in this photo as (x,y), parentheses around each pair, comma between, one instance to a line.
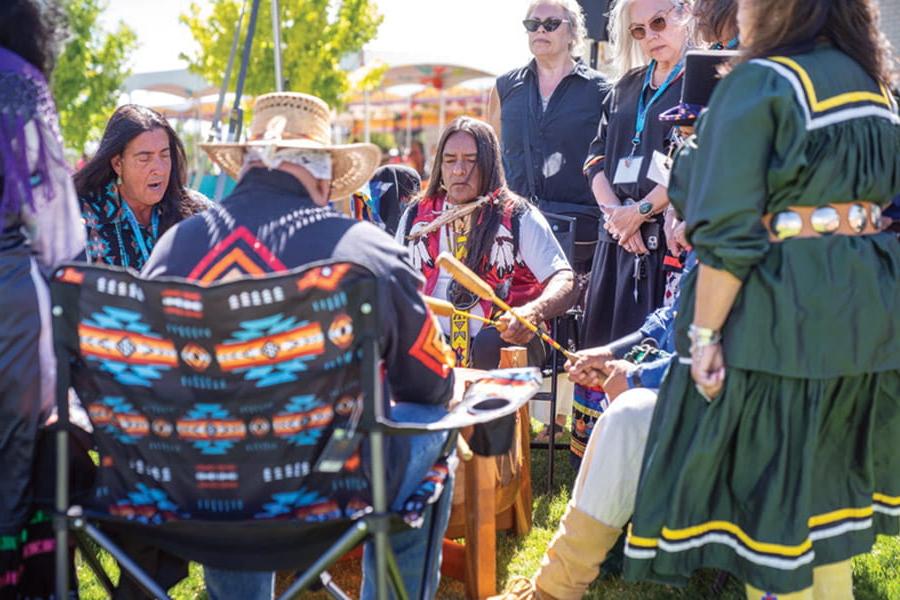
(554,382)
(367,125)
(61,504)
(442,115)
(276,37)
(220,103)
(237,115)
(215,132)
(409,116)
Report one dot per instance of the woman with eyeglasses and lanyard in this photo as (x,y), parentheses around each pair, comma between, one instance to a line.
(628,281)
(648,38)
(774,451)
(133,189)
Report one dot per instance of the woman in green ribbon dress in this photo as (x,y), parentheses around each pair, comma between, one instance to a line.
(774,451)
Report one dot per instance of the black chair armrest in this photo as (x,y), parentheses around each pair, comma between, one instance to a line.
(499,393)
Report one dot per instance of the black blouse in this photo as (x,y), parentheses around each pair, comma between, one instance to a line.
(617,124)
(558,137)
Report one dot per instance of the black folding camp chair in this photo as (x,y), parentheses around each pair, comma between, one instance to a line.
(240,425)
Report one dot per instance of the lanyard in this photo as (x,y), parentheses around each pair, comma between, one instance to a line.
(729,45)
(136,228)
(644,108)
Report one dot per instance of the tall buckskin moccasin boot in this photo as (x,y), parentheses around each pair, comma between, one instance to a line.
(572,560)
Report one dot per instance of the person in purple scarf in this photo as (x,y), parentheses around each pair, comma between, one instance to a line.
(39,228)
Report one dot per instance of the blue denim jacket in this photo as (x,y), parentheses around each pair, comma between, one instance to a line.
(660,326)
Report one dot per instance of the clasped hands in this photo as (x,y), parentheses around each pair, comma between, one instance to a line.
(624,224)
(597,367)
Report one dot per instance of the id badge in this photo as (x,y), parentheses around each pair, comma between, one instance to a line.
(660,169)
(340,447)
(628,169)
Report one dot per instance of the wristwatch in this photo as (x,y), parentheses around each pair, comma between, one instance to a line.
(645,208)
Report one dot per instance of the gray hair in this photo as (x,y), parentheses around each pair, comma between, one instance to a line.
(575,17)
(626,51)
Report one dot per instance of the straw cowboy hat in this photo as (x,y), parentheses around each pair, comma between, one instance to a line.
(294,120)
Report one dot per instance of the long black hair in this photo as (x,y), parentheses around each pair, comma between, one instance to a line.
(486,220)
(34,30)
(128,122)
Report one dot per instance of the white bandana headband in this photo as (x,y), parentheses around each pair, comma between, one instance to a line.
(317,162)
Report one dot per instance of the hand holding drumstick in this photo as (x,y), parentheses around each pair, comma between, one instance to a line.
(477,286)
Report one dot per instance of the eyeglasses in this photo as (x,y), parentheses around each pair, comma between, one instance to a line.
(656,24)
(550,24)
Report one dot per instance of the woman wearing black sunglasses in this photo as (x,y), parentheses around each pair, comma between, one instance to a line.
(546,114)
(648,38)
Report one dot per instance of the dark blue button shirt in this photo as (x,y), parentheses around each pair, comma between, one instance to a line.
(559,137)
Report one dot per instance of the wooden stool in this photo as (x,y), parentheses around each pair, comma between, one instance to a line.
(490,505)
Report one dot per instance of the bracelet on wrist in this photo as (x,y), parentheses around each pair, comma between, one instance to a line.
(701,337)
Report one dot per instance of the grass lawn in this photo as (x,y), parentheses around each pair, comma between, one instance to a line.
(876,576)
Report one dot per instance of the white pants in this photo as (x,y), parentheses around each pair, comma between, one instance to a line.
(608,478)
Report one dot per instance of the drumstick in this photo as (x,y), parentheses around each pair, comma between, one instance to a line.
(480,288)
(444,308)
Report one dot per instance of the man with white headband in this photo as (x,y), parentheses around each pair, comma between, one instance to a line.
(278,217)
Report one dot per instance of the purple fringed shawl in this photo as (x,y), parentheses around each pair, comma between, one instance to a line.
(30,141)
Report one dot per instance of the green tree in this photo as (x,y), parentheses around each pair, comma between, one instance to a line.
(315,36)
(89,74)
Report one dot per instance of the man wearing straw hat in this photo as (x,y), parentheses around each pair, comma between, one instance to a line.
(277,218)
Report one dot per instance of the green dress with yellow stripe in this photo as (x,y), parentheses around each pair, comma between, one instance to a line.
(797,463)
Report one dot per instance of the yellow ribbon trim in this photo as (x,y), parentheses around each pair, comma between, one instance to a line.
(746,540)
(837,515)
(835,101)
(698,530)
(885,499)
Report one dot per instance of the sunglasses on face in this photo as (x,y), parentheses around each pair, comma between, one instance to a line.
(657,24)
(550,24)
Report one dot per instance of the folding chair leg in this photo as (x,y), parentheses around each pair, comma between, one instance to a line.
(393,572)
(60,519)
(62,558)
(345,544)
(129,567)
(331,587)
(554,381)
(88,556)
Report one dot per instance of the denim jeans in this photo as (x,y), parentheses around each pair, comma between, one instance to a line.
(418,551)
(222,584)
